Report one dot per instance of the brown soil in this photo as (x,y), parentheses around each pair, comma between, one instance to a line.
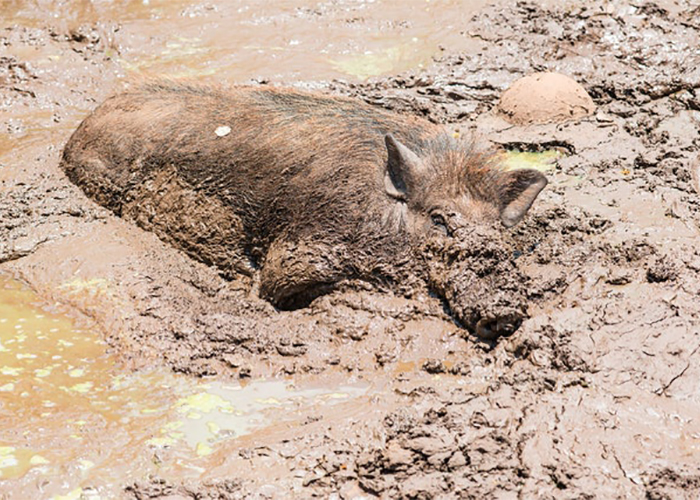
(595,396)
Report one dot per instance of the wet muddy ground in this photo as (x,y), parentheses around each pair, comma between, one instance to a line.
(362,394)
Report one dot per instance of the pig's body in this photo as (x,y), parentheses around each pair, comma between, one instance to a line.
(310,189)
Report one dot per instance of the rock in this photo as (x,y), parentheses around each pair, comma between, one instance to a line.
(545,98)
(396,457)
(434,366)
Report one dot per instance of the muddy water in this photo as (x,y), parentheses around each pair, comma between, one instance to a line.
(239,40)
(73,422)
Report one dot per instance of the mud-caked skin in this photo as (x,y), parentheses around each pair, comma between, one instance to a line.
(308,190)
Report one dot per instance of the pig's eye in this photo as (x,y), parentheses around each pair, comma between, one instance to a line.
(439,222)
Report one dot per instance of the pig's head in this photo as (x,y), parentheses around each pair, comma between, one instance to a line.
(455,203)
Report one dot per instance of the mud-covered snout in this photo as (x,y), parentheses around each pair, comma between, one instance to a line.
(475,273)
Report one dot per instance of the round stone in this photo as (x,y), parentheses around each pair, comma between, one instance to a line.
(545,98)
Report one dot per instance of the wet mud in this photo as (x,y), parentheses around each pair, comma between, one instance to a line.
(596,393)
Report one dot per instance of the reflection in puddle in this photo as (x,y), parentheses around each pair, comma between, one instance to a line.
(543,160)
(72,424)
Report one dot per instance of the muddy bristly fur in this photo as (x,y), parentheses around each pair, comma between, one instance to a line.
(305,189)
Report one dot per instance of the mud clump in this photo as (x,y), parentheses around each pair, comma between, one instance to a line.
(663,269)
(545,98)
(665,484)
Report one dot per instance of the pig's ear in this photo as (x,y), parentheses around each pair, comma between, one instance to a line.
(403,167)
(519,190)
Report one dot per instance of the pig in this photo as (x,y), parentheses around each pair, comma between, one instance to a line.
(304,191)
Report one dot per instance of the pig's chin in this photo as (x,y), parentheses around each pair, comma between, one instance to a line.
(481,284)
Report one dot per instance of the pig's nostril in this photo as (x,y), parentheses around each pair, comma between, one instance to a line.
(492,328)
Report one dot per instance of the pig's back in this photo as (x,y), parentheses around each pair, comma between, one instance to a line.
(247,146)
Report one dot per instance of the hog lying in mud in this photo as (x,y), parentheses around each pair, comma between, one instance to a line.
(311,191)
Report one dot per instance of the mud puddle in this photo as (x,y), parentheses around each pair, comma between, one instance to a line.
(238,41)
(73,422)
(596,396)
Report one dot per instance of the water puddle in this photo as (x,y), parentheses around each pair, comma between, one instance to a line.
(299,39)
(73,423)
(545,161)
(394,59)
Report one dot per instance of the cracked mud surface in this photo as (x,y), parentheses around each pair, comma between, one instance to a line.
(596,395)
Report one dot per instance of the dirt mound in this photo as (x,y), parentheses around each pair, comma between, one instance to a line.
(545,98)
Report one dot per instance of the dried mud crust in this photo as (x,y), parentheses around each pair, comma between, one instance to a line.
(595,395)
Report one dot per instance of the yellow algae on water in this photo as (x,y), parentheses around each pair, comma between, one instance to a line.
(204,402)
(9,387)
(11,371)
(38,460)
(73,495)
(169,435)
(77,372)
(213,427)
(542,161)
(42,372)
(203,449)
(81,388)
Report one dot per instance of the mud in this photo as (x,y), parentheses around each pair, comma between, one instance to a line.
(594,396)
